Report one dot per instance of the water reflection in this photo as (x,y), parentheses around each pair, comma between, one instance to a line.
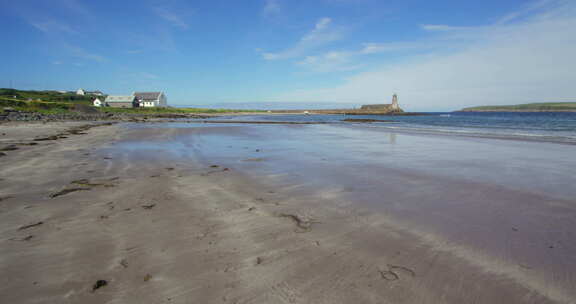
(392,138)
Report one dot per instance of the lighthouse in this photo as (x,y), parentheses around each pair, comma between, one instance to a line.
(394,106)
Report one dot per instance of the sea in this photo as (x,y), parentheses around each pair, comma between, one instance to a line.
(537,126)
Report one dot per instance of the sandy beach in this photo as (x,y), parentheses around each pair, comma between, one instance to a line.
(240,213)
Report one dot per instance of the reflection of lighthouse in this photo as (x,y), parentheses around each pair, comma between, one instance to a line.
(395,105)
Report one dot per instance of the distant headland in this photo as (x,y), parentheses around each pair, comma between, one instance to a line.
(527,107)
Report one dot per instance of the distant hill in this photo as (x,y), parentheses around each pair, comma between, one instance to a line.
(527,107)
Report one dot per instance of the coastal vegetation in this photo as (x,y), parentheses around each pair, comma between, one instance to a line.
(45,102)
(528,107)
(40,106)
(54,102)
(47,96)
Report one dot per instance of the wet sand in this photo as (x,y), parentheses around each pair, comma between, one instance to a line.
(176,213)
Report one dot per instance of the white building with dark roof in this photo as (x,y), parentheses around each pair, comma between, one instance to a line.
(150,99)
(120,101)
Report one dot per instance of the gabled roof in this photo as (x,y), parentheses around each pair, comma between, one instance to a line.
(147,95)
(111,98)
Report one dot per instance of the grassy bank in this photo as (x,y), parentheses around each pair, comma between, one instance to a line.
(46,96)
(44,107)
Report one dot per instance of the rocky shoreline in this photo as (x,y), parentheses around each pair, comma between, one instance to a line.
(36,116)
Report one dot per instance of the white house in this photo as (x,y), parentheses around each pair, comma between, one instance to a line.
(150,99)
(80,92)
(97,102)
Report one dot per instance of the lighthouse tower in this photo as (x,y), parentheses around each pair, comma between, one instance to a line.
(395,106)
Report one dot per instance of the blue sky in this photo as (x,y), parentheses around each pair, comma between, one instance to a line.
(437,55)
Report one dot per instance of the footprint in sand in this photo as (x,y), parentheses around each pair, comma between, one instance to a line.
(393,273)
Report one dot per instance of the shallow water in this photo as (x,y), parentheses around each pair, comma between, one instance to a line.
(514,200)
(539,167)
(538,126)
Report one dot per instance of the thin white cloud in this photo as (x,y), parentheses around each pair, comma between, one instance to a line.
(518,62)
(147,75)
(76,7)
(441,27)
(330,61)
(172,17)
(323,33)
(352,60)
(271,8)
(51,26)
(65,36)
(164,37)
(61,18)
(346,60)
(526,10)
(376,48)
(79,52)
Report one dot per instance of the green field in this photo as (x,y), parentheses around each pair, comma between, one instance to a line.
(46,102)
(52,102)
(45,107)
(51,96)
(543,106)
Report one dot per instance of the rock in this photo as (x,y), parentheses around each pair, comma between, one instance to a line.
(99,284)
(259,260)
(148,206)
(9,148)
(124,263)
